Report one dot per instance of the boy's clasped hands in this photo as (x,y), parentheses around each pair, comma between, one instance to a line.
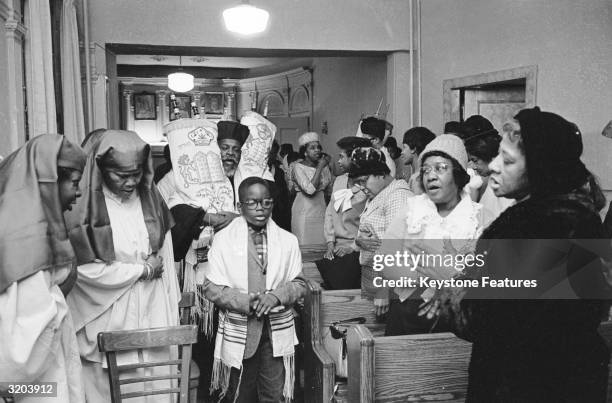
(262,303)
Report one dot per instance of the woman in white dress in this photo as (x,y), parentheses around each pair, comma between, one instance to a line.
(38,182)
(311,180)
(126,278)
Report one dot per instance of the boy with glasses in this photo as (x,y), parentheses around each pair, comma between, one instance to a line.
(255,276)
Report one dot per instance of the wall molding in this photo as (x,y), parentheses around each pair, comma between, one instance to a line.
(291,78)
(163,82)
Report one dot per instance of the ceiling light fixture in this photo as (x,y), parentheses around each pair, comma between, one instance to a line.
(179,81)
(246,19)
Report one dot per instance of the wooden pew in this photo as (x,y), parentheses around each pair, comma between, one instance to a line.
(311,253)
(434,367)
(311,273)
(320,309)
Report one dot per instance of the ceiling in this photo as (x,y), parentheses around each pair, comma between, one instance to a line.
(134,60)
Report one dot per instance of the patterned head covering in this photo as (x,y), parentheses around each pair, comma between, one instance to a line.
(307,137)
(33,235)
(368,161)
(88,224)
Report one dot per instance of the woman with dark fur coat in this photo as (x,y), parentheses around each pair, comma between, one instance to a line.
(538,343)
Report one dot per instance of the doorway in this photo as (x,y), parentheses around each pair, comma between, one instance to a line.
(498,96)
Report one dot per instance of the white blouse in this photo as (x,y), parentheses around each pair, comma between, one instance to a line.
(420,220)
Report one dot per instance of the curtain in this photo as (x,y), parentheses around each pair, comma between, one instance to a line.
(39,68)
(74,122)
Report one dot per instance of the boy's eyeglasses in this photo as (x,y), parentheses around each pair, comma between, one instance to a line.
(439,168)
(252,204)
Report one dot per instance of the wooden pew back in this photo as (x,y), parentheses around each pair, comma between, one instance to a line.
(432,367)
(321,308)
(311,273)
(415,368)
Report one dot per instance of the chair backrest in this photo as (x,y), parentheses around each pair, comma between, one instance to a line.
(185,304)
(137,340)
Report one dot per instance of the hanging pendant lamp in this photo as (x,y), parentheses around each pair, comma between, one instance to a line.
(246,19)
(180,81)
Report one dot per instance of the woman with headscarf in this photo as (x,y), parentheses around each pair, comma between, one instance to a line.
(537,343)
(38,182)
(126,278)
(311,180)
(445,211)
(387,197)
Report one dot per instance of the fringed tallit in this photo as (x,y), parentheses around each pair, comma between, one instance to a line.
(228,266)
(231,342)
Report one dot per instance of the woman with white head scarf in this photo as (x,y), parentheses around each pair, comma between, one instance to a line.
(121,234)
(38,182)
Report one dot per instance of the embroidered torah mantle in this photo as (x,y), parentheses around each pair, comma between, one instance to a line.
(254,159)
(196,161)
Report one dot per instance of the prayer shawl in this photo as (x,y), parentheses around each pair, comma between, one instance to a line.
(254,158)
(228,260)
(88,223)
(33,235)
(199,182)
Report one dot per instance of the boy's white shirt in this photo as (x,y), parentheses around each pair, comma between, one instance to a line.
(228,256)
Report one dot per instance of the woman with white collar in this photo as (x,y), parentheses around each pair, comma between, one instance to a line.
(445,211)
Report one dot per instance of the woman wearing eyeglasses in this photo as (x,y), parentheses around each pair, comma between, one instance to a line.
(445,211)
(311,180)
(537,343)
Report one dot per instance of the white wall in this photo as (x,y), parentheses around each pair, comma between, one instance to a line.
(294,24)
(569,40)
(344,88)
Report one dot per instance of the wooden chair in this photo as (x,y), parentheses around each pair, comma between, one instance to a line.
(185,304)
(113,342)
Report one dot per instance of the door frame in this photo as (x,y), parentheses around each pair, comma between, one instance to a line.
(529,73)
